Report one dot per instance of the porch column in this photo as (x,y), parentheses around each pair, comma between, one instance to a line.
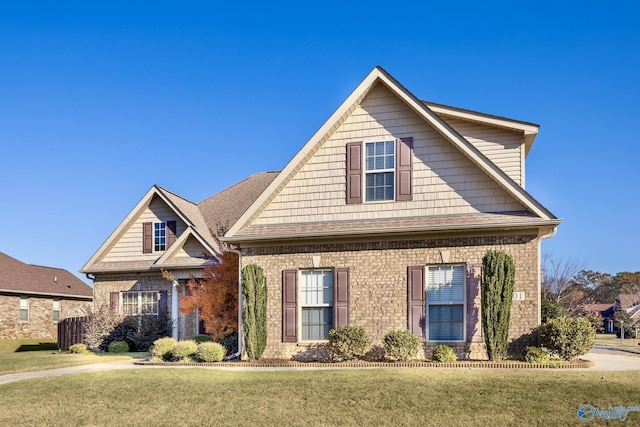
(174,309)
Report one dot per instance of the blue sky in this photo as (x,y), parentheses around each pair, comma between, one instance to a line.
(98,102)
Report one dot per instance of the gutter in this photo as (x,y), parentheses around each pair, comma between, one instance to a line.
(240,351)
(48,294)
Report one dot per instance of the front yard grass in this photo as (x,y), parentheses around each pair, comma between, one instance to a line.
(33,355)
(629,345)
(433,397)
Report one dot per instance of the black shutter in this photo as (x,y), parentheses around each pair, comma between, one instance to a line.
(404,169)
(289,306)
(415,301)
(341,297)
(354,172)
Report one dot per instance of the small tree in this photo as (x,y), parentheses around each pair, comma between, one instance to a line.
(215,296)
(254,310)
(497,283)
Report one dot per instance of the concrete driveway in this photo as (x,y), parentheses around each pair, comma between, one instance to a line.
(604,359)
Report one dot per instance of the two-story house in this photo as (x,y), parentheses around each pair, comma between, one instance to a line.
(380,220)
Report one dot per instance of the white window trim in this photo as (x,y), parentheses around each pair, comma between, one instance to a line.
(301,305)
(28,308)
(139,303)
(163,225)
(365,171)
(59,310)
(464,304)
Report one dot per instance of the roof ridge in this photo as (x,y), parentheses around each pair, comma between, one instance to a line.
(159,187)
(480,113)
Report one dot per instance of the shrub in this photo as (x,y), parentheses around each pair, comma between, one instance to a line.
(497,283)
(551,310)
(349,342)
(400,345)
(163,347)
(78,348)
(230,343)
(118,347)
(443,354)
(254,310)
(210,352)
(183,350)
(536,355)
(567,337)
(202,338)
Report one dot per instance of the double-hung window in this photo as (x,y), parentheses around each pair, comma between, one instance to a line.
(316,292)
(56,310)
(445,302)
(159,236)
(380,170)
(24,309)
(139,303)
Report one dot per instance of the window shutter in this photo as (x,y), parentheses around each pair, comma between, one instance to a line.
(147,237)
(114,300)
(289,306)
(474,298)
(162,305)
(341,297)
(415,300)
(354,172)
(171,233)
(404,169)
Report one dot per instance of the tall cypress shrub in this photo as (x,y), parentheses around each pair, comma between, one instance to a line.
(497,282)
(254,311)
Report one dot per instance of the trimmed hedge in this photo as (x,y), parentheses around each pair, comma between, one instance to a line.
(163,347)
(568,337)
(210,352)
(118,347)
(444,354)
(400,345)
(349,342)
(183,350)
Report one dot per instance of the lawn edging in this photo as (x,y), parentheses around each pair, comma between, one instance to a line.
(580,363)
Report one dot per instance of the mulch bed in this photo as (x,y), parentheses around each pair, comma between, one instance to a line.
(283,363)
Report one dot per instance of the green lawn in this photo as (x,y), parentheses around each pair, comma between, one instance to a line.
(384,397)
(33,355)
(628,344)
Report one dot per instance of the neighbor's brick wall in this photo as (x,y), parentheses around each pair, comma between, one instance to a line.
(103,285)
(378,283)
(40,324)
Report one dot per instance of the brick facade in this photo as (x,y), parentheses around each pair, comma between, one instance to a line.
(105,284)
(40,323)
(378,283)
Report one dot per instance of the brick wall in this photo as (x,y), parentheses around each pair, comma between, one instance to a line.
(40,323)
(105,284)
(378,283)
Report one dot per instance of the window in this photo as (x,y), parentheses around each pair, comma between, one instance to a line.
(159,236)
(316,294)
(380,170)
(446,302)
(24,309)
(137,303)
(56,310)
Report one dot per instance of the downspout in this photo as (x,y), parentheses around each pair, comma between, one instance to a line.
(240,351)
(543,237)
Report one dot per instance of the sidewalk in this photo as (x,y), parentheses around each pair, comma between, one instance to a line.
(604,361)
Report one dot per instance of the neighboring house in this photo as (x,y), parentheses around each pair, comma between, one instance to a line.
(165,232)
(381,220)
(34,298)
(627,302)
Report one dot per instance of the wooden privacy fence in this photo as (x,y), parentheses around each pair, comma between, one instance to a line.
(70,331)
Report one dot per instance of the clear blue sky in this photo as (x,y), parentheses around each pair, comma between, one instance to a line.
(100,102)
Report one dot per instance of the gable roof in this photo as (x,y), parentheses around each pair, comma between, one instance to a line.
(187,211)
(627,301)
(380,76)
(20,278)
